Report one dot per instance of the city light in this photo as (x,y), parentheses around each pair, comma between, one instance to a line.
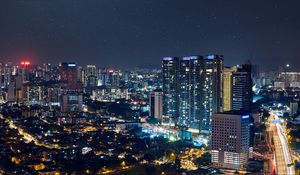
(25,63)
(151,87)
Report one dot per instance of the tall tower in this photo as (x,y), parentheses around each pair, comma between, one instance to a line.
(170,69)
(69,74)
(212,84)
(227,87)
(156,104)
(91,77)
(242,88)
(72,88)
(190,81)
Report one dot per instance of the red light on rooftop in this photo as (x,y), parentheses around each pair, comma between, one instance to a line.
(111,71)
(25,63)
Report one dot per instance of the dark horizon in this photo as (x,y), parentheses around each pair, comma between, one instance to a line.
(137,33)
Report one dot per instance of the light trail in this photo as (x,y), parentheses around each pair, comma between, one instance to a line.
(283,156)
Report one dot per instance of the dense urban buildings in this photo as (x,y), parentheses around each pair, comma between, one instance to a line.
(149,87)
(193,100)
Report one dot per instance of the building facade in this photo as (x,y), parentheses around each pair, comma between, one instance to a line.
(230,139)
(192,89)
(156,105)
(242,89)
(170,71)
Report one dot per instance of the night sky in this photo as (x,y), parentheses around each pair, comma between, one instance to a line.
(131,33)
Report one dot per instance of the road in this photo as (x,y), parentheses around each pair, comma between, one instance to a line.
(282,150)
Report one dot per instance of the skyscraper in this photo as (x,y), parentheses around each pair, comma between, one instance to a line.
(190,91)
(170,69)
(91,76)
(72,88)
(242,88)
(193,89)
(69,74)
(155,101)
(212,87)
(227,87)
(230,139)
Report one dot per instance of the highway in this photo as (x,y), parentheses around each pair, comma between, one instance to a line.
(282,151)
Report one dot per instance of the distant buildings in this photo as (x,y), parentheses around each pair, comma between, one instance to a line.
(230,138)
(33,94)
(72,88)
(109,94)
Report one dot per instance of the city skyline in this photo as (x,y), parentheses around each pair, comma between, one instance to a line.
(114,33)
(149,87)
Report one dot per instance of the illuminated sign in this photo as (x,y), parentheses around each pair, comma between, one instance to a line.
(245,116)
(168,58)
(71,65)
(210,57)
(190,58)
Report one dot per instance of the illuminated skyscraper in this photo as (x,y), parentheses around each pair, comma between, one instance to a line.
(193,89)
(69,74)
(170,69)
(90,70)
(91,76)
(190,83)
(33,94)
(155,101)
(242,88)
(212,88)
(227,88)
(72,88)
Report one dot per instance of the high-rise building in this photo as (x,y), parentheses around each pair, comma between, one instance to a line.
(90,70)
(72,88)
(170,69)
(242,88)
(91,76)
(294,107)
(227,87)
(156,104)
(69,74)
(7,74)
(230,139)
(71,102)
(190,88)
(33,94)
(212,89)
(53,96)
